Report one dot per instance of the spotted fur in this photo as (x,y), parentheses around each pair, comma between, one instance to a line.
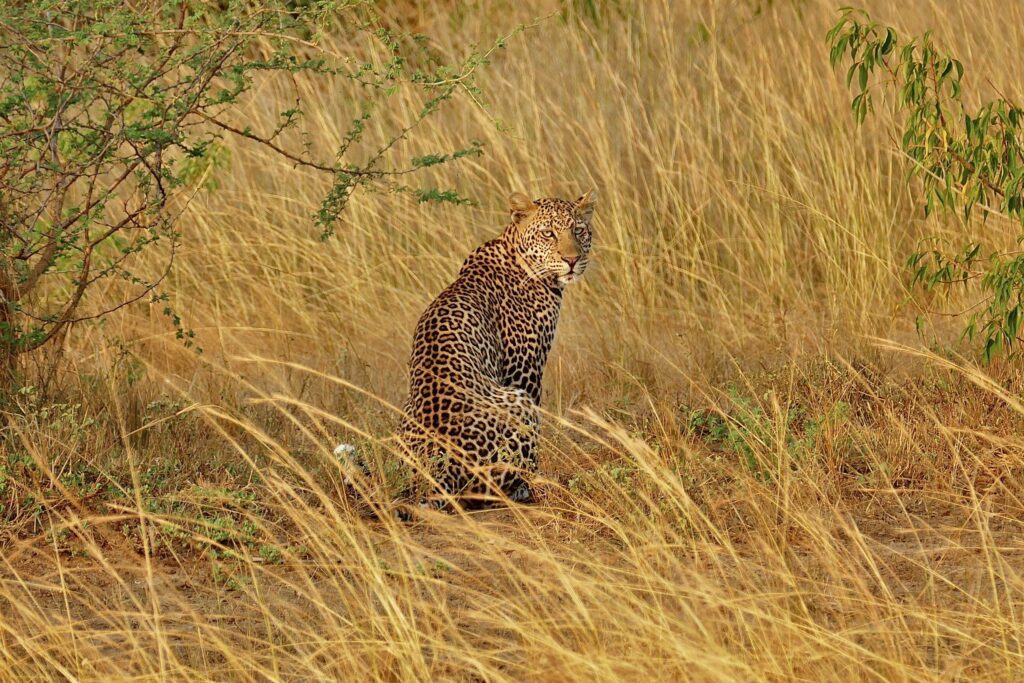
(472,419)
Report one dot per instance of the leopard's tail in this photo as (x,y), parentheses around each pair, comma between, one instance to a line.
(352,463)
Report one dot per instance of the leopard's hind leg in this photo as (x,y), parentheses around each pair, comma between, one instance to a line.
(512,424)
(485,451)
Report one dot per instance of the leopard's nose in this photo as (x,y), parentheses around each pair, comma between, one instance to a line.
(571,260)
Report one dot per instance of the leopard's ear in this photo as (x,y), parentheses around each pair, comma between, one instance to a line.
(585,205)
(520,206)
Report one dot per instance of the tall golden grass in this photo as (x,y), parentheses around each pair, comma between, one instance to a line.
(753,468)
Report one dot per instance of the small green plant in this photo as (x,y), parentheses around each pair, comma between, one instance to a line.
(271,554)
(966,160)
(436,569)
(747,430)
(739,431)
(226,570)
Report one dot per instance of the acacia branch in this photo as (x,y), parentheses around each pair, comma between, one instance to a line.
(267,142)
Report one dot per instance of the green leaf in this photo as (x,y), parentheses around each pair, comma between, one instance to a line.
(889,42)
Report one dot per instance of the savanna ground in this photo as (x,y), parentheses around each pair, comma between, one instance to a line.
(754,467)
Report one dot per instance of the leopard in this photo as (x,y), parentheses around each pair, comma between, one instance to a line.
(471,422)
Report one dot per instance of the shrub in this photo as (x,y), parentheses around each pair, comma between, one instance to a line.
(110,111)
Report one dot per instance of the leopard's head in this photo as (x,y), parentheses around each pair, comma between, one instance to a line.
(551,237)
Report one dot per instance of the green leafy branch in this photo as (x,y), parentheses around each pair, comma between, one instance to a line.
(112,115)
(965,160)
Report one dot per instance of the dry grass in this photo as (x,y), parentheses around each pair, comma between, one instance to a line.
(753,469)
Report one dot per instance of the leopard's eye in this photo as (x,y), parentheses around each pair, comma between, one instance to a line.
(548,234)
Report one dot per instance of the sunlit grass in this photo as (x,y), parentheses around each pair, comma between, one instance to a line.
(752,467)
